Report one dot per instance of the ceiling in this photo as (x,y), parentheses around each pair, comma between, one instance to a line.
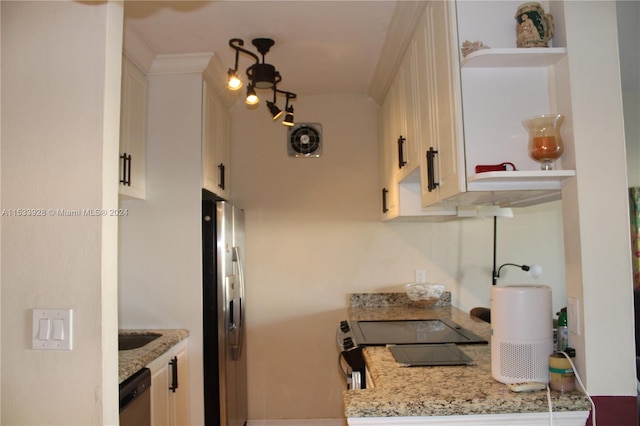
(321,47)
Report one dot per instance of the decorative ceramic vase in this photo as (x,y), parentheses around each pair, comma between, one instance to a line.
(534,27)
(545,143)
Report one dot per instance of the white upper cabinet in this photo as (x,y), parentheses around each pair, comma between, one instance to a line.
(409,122)
(407,116)
(466,112)
(438,91)
(216,153)
(388,181)
(133,131)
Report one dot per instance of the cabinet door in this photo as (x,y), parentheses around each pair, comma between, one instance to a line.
(389,194)
(215,143)
(160,382)
(409,113)
(180,398)
(438,95)
(169,407)
(133,131)
(447,83)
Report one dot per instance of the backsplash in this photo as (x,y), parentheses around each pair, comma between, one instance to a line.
(383,300)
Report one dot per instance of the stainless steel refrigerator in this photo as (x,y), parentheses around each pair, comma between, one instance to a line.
(225,365)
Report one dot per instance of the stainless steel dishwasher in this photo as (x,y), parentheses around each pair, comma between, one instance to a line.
(135,399)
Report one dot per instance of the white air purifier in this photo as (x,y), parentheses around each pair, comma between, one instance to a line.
(521,333)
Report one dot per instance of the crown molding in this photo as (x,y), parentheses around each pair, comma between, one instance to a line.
(186,63)
(404,21)
(137,50)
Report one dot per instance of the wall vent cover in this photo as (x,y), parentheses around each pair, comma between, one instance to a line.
(304,140)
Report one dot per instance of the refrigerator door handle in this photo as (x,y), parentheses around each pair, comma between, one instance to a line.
(235,329)
(238,319)
(232,318)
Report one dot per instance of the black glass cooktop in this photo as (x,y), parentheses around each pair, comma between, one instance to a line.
(398,332)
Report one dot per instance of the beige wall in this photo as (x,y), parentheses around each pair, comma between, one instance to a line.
(60,116)
(314,235)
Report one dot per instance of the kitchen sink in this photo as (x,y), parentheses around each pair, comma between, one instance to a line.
(134,341)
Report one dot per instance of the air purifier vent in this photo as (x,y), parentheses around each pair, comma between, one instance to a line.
(523,361)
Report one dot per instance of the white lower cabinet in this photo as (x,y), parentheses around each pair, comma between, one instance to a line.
(170,387)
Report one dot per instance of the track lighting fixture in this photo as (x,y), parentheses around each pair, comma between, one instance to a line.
(288,119)
(251,98)
(274,110)
(261,76)
(233,81)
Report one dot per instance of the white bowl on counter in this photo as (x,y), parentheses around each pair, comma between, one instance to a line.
(423,295)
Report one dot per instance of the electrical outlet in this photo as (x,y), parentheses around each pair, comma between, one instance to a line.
(421,276)
(573,315)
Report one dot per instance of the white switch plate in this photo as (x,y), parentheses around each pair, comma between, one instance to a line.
(421,276)
(52,329)
(573,315)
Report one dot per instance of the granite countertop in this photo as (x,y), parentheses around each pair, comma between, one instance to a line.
(441,391)
(131,361)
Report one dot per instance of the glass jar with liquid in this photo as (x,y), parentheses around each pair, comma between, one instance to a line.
(545,142)
(561,375)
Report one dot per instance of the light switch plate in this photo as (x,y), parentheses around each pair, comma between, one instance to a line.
(421,276)
(52,329)
(573,315)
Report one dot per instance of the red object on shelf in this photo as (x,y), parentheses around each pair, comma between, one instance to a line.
(482,168)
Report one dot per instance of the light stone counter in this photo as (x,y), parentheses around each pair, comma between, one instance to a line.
(442,391)
(132,361)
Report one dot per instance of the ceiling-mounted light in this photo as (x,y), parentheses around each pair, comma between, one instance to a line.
(233,82)
(274,110)
(251,98)
(288,119)
(261,76)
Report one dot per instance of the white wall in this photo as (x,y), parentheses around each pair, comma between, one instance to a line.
(314,235)
(60,115)
(595,205)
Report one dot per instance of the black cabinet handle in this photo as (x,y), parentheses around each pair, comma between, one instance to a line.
(384,200)
(401,162)
(221,180)
(174,373)
(431,184)
(126,169)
